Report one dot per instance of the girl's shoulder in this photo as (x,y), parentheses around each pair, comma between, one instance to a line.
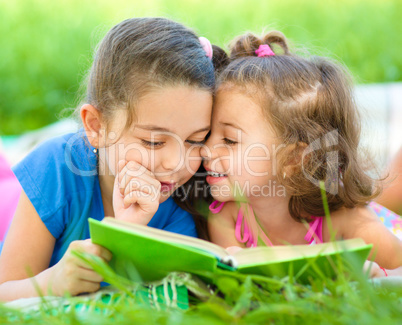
(56,171)
(347,221)
(70,152)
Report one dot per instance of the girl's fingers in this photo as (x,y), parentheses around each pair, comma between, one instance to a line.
(120,166)
(85,274)
(88,247)
(98,251)
(147,202)
(85,286)
(147,185)
(133,170)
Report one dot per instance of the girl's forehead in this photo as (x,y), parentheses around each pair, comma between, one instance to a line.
(236,104)
(179,102)
(180,110)
(237,109)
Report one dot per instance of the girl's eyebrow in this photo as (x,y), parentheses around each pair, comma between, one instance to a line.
(207,128)
(161,129)
(233,125)
(153,128)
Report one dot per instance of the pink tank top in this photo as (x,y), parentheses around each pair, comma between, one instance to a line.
(252,230)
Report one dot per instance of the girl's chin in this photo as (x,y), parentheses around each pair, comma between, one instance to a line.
(164,196)
(222,197)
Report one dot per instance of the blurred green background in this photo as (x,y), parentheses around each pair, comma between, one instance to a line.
(46,46)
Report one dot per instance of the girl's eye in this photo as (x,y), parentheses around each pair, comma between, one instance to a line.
(196,143)
(229,142)
(150,144)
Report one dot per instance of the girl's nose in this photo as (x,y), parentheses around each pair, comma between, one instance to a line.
(173,160)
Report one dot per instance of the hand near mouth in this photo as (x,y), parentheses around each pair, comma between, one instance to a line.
(136,193)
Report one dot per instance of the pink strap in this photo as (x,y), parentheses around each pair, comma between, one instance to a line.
(214,209)
(259,232)
(246,231)
(315,230)
(250,236)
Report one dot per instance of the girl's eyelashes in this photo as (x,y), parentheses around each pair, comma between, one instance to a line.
(196,143)
(151,144)
(229,142)
(160,144)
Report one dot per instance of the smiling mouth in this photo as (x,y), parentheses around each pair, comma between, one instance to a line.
(215,174)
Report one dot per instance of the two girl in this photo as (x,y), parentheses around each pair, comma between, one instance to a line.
(140,143)
(282,123)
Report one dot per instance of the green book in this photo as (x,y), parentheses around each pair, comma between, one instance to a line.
(148,254)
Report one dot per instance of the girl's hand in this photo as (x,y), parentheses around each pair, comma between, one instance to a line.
(136,193)
(72,275)
(375,270)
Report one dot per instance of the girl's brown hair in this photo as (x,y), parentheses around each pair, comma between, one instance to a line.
(142,54)
(310,104)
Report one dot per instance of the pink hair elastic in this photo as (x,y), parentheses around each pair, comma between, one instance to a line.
(264,50)
(206,45)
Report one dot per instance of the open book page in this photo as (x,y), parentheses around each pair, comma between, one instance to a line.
(258,255)
(170,237)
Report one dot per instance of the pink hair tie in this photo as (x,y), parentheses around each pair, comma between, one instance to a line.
(264,50)
(206,45)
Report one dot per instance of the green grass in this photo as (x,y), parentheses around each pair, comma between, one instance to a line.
(46,46)
(237,300)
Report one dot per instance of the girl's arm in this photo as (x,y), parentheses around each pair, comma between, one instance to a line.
(221,226)
(363,223)
(392,193)
(26,255)
(27,251)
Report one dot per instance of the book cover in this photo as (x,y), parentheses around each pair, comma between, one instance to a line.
(147,254)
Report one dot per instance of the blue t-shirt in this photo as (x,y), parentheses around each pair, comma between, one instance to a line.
(60,178)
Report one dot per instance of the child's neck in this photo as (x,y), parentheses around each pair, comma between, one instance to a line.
(274,217)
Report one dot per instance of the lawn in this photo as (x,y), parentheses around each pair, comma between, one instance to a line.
(250,300)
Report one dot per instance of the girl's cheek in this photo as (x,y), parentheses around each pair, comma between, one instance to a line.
(137,153)
(192,160)
(257,161)
(192,165)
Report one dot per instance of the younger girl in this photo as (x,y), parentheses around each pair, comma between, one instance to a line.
(281,123)
(147,110)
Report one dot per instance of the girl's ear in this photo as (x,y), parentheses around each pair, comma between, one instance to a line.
(294,160)
(92,121)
